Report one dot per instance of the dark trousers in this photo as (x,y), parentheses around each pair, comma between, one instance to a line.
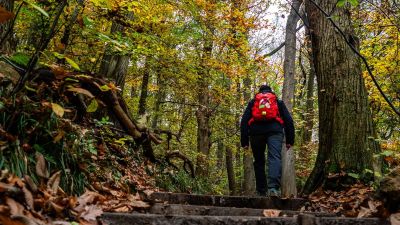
(258,144)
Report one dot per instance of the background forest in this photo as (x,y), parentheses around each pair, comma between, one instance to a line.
(186,70)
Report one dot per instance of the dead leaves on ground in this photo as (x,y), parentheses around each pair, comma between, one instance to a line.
(22,203)
(355,201)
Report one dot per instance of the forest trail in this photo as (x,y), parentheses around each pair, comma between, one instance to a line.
(188,209)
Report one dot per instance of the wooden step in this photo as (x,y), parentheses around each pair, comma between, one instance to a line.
(176,209)
(228,201)
(152,219)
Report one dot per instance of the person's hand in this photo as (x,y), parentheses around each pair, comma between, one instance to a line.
(288,146)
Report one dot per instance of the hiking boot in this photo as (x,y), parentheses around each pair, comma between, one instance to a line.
(273,192)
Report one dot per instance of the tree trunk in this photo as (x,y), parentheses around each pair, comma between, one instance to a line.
(115,66)
(203,112)
(288,157)
(307,128)
(346,135)
(230,171)
(67,31)
(8,45)
(220,154)
(144,89)
(159,98)
(249,179)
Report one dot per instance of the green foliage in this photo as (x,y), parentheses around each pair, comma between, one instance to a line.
(342,3)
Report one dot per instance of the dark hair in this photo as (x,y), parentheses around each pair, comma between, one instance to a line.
(265,88)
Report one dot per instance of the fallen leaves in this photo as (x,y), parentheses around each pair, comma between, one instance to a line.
(355,201)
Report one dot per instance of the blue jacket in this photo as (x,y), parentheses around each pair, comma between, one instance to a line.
(266,127)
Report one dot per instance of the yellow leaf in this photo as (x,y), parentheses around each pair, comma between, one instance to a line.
(57,109)
(92,107)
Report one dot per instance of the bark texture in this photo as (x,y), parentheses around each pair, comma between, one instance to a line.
(288,158)
(144,89)
(115,65)
(346,135)
(230,171)
(307,128)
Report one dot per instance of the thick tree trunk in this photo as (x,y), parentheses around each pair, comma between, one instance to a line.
(249,179)
(230,171)
(346,135)
(8,45)
(115,66)
(288,157)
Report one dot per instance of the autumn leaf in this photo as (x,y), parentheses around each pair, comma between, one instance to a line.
(59,136)
(54,182)
(92,107)
(72,63)
(41,167)
(271,212)
(28,197)
(91,213)
(81,91)
(57,109)
(5,15)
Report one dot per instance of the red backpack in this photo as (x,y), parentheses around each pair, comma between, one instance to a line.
(265,108)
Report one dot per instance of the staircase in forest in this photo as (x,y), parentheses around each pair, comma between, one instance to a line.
(186,209)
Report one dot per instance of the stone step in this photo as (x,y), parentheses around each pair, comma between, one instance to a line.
(152,219)
(228,201)
(175,209)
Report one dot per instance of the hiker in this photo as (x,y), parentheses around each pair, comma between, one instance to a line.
(264,121)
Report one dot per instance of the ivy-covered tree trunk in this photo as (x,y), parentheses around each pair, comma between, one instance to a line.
(288,158)
(346,134)
(115,65)
(8,45)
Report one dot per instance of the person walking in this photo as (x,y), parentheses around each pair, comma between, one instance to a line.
(264,123)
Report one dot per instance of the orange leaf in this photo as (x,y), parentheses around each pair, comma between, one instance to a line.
(271,212)
(5,15)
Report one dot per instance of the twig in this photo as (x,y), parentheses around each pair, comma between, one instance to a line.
(271,53)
